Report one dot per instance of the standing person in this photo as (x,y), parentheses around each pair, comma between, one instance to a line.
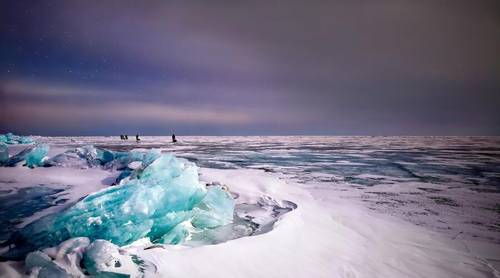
(173,138)
(137,139)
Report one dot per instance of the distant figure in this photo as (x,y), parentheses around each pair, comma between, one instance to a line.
(126,137)
(173,138)
(121,137)
(137,137)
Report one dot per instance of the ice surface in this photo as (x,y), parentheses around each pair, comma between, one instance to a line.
(10,138)
(17,204)
(364,169)
(164,202)
(331,233)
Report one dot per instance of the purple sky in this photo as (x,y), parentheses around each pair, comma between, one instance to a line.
(250,67)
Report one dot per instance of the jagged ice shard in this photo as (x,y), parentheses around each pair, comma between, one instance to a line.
(164,202)
(36,156)
(89,156)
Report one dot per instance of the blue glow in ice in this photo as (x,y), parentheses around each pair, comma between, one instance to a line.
(165,202)
(216,209)
(35,157)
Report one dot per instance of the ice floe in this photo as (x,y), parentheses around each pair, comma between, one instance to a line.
(160,201)
(165,202)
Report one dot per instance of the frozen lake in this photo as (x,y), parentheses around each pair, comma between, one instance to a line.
(440,192)
(449,184)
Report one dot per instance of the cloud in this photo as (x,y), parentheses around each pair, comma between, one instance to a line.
(50,105)
(30,101)
(336,67)
(57,114)
(30,88)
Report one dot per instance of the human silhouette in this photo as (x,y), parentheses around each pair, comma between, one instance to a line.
(137,137)
(173,138)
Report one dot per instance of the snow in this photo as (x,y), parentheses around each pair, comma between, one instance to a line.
(330,238)
(100,258)
(103,257)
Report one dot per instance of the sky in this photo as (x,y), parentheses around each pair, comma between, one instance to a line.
(235,67)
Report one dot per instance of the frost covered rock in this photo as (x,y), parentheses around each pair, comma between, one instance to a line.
(11,139)
(36,156)
(165,202)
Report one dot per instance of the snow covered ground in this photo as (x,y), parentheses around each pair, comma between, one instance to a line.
(343,206)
